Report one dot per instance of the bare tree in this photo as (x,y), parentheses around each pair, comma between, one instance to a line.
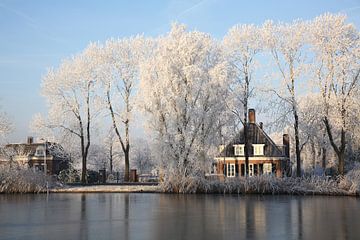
(118,73)
(337,68)
(70,94)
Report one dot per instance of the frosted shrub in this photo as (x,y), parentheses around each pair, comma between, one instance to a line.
(177,184)
(313,185)
(351,181)
(69,176)
(18,180)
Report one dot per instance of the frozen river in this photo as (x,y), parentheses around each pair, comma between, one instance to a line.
(168,216)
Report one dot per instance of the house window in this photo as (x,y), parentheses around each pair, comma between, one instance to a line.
(40,151)
(231,170)
(258,149)
(267,168)
(251,169)
(38,167)
(221,148)
(239,150)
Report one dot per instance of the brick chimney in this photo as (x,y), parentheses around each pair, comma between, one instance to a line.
(286,143)
(30,140)
(252,118)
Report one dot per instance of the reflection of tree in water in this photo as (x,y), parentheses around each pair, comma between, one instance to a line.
(83,219)
(126,215)
(300,218)
(164,216)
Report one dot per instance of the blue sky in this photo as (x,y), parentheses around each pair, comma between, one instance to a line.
(36,35)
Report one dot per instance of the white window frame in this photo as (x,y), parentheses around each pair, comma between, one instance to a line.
(258,149)
(239,150)
(251,169)
(230,170)
(221,148)
(40,151)
(267,168)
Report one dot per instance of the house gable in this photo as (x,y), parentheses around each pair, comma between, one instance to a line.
(256,136)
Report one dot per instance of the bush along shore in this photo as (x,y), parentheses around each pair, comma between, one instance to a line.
(312,185)
(260,185)
(17,180)
(21,180)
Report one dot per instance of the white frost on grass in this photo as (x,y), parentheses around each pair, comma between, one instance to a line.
(351,181)
(314,185)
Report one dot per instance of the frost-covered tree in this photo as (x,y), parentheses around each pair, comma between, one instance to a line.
(113,151)
(70,95)
(241,45)
(312,130)
(142,156)
(109,149)
(16,155)
(336,45)
(5,125)
(117,72)
(183,86)
(287,45)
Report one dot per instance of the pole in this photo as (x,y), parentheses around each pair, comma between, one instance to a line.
(45,167)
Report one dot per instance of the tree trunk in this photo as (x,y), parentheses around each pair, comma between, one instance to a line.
(125,146)
(85,149)
(323,151)
(111,158)
(83,157)
(313,151)
(323,158)
(127,165)
(340,152)
(297,144)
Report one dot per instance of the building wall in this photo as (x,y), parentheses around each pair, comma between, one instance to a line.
(238,166)
(53,166)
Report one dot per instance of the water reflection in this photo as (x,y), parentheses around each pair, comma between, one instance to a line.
(167,216)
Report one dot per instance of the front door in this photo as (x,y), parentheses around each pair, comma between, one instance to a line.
(231,170)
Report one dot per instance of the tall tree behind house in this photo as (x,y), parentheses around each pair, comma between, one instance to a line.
(287,45)
(242,44)
(183,87)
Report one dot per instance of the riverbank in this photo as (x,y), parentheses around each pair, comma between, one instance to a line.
(107,189)
(219,190)
(26,181)
(263,185)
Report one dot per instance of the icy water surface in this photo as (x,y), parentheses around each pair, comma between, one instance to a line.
(167,216)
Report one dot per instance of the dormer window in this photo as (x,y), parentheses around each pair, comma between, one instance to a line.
(258,149)
(40,151)
(221,148)
(239,150)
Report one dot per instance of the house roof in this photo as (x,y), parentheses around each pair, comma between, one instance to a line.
(29,149)
(256,135)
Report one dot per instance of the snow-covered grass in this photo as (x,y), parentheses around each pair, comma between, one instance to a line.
(351,181)
(313,185)
(19,180)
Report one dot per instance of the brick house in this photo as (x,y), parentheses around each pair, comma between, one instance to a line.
(36,155)
(265,157)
